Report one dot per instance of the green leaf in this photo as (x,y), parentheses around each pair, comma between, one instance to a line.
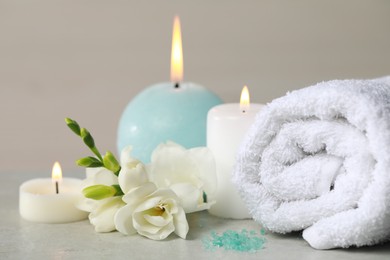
(98,192)
(89,162)
(111,163)
(119,191)
(73,125)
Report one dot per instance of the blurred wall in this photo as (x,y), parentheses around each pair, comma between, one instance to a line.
(86,59)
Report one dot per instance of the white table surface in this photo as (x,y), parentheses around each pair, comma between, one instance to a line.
(20,239)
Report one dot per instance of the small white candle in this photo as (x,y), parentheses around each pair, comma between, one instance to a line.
(227,125)
(40,202)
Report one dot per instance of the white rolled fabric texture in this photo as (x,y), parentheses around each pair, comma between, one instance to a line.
(318,160)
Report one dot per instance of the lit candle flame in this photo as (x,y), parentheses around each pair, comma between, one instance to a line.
(177,53)
(56,174)
(244,100)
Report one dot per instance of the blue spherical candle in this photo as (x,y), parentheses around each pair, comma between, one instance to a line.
(166,111)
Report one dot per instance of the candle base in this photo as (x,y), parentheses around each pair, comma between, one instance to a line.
(221,212)
(229,205)
(38,201)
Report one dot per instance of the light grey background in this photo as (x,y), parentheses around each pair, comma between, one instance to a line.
(87,58)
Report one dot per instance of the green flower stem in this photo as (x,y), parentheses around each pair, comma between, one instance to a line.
(88,140)
(118,189)
(109,162)
(97,153)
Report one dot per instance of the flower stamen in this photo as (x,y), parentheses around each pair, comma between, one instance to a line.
(160,207)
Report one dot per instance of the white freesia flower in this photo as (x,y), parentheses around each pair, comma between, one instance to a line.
(151,212)
(191,174)
(102,216)
(133,173)
(145,209)
(101,211)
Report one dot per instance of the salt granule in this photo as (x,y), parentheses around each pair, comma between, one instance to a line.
(243,241)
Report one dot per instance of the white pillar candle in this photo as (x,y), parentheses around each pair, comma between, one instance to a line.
(227,125)
(40,202)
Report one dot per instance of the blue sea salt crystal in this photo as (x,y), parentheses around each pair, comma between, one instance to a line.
(243,241)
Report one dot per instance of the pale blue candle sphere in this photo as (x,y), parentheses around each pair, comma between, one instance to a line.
(165,112)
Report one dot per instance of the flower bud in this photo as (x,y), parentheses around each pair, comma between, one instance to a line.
(87,138)
(111,163)
(98,192)
(73,125)
(89,162)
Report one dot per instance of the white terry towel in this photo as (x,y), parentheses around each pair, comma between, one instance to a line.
(318,159)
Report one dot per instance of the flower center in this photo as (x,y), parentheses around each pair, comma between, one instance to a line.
(160,207)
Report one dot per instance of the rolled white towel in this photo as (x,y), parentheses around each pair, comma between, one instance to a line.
(318,159)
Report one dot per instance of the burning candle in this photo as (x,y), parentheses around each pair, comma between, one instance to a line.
(227,125)
(56,175)
(51,200)
(175,110)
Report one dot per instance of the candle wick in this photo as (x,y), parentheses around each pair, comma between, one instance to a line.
(57,191)
(177,85)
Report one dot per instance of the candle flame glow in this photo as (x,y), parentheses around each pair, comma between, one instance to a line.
(177,53)
(56,174)
(244,99)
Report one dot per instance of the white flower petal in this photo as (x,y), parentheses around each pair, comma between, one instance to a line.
(148,203)
(181,224)
(103,216)
(142,225)
(189,196)
(130,178)
(164,232)
(170,163)
(159,220)
(204,206)
(166,193)
(171,205)
(99,175)
(86,204)
(155,233)
(206,168)
(126,155)
(136,195)
(172,166)
(123,220)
